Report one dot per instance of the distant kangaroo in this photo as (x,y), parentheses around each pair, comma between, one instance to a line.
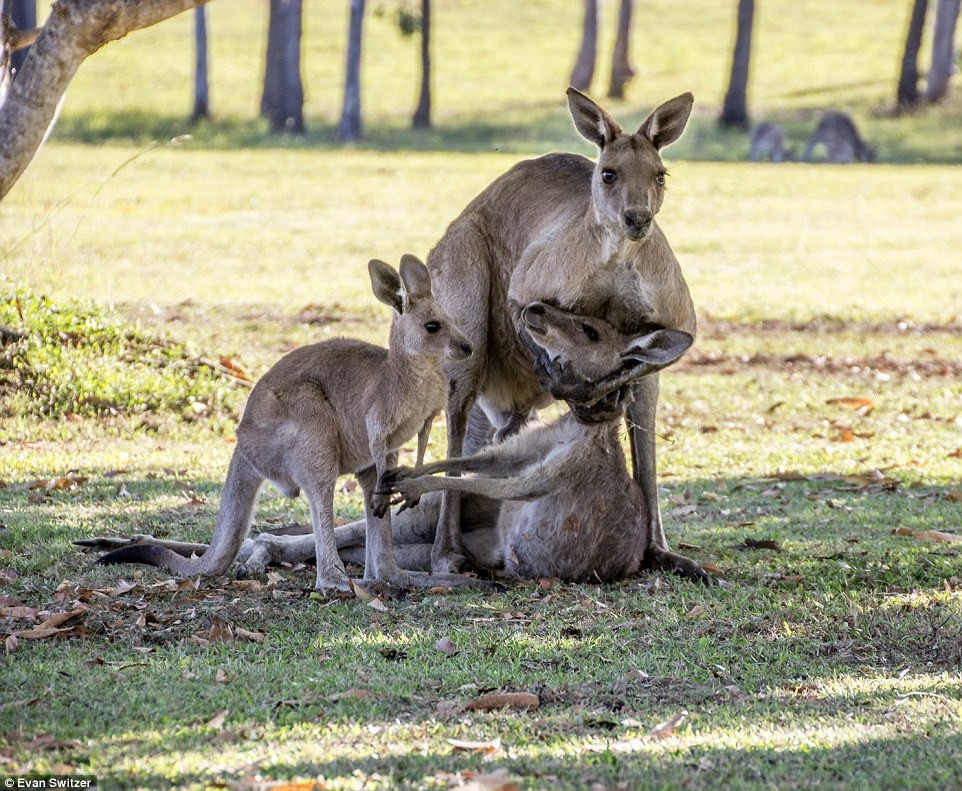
(571,509)
(582,236)
(328,409)
(843,144)
(768,143)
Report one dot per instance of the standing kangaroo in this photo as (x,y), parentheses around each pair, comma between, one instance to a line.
(843,144)
(328,409)
(580,235)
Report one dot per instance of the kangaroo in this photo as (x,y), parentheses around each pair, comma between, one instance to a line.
(580,235)
(842,142)
(328,409)
(572,510)
(768,143)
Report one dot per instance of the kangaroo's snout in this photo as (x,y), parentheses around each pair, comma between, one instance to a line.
(637,223)
(460,349)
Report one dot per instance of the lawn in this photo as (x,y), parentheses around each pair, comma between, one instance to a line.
(819,412)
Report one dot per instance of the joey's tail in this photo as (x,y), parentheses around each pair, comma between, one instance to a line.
(233,523)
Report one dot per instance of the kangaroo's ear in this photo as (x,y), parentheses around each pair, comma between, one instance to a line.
(658,349)
(665,125)
(592,122)
(415,278)
(386,283)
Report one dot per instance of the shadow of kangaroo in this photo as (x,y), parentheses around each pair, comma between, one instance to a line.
(332,408)
(580,235)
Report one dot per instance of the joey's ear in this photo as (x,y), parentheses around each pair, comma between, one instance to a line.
(592,122)
(665,125)
(386,283)
(415,278)
(658,349)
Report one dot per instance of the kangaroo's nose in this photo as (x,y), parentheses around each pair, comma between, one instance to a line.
(637,220)
(466,348)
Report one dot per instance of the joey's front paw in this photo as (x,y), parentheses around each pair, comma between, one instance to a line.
(389,480)
(380,503)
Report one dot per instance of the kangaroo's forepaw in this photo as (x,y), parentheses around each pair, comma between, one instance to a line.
(380,503)
(677,564)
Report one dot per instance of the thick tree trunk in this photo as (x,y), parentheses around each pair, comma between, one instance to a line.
(201,77)
(422,115)
(349,128)
(24,16)
(584,68)
(621,69)
(908,90)
(74,30)
(943,50)
(735,108)
(283,99)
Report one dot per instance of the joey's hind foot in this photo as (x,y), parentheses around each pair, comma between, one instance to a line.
(664,560)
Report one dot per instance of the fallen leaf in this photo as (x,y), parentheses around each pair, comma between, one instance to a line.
(252,637)
(223,677)
(853,403)
(446,646)
(954,496)
(695,612)
(217,721)
(352,693)
(501,700)
(18,612)
(377,604)
(487,747)
(498,780)
(762,543)
(712,568)
(668,727)
(956,454)
(844,435)
(235,369)
(10,643)
(928,535)
(8,576)
(247,585)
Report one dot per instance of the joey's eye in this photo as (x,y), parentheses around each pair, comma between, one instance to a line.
(609,176)
(433,327)
(590,332)
(660,179)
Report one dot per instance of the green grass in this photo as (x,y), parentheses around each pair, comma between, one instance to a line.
(831,661)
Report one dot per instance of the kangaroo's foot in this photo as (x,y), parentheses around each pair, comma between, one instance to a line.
(332,579)
(665,560)
(106,543)
(452,563)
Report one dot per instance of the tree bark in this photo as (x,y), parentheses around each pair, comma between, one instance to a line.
(283,98)
(24,16)
(908,89)
(735,107)
(584,68)
(621,69)
(349,129)
(943,50)
(201,76)
(74,30)
(422,115)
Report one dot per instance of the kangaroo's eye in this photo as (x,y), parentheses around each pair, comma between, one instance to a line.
(660,179)
(609,176)
(590,332)
(433,327)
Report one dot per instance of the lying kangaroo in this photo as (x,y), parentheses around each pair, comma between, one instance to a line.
(328,409)
(768,143)
(572,510)
(580,235)
(842,142)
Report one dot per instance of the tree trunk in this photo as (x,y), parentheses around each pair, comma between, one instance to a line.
(621,69)
(349,129)
(422,115)
(283,99)
(735,107)
(943,50)
(201,77)
(24,16)
(584,68)
(908,90)
(74,30)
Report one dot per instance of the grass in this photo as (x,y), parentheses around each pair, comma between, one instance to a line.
(829,655)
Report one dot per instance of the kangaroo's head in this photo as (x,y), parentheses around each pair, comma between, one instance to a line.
(628,185)
(421,326)
(595,349)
